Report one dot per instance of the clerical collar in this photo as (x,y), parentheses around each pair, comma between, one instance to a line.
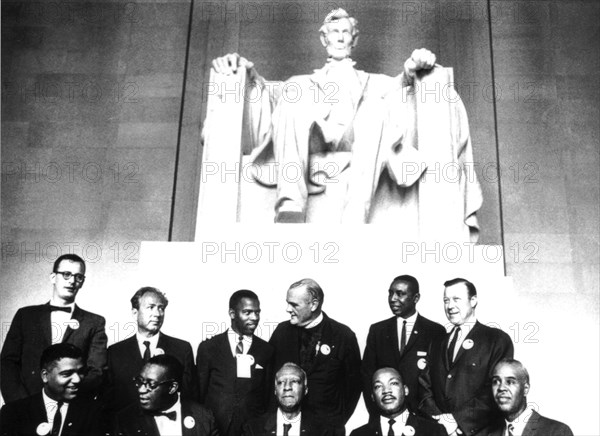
(315,322)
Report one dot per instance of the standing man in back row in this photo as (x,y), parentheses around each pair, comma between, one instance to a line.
(35,328)
(234,368)
(401,342)
(325,349)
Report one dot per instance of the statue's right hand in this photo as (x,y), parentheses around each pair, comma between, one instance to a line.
(230,63)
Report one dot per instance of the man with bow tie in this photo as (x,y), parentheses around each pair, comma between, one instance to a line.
(160,410)
(34,328)
(393,418)
(400,342)
(457,381)
(234,368)
(59,409)
(330,123)
(125,358)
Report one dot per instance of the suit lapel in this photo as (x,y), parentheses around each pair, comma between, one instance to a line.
(444,351)
(326,339)
(532,425)
(45,326)
(271,424)
(461,351)
(391,339)
(414,334)
(186,411)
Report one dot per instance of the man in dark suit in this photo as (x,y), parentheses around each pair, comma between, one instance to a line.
(457,382)
(59,405)
(160,411)
(400,342)
(289,419)
(510,386)
(388,393)
(35,328)
(235,368)
(325,349)
(125,358)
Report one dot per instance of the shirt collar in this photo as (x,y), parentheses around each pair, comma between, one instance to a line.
(50,405)
(315,322)
(153,340)
(59,304)
(175,407)
(520,421)
(281,419)
(466,327)
(410,320)
(245,338)
(398,425)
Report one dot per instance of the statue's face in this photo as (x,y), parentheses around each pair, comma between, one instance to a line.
(338,39)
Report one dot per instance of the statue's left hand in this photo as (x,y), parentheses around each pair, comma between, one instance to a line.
(421,59)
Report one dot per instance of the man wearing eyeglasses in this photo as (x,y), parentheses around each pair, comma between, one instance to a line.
(59,409)
(35,328)
(160,410)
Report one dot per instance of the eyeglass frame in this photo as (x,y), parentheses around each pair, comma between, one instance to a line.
(139,382)
(79,278)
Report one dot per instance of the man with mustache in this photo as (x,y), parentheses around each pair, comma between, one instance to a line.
(234,368)
(35,328)
(400,342)
(289,419)
(58,409)
(510,386)
(456,383)
(125,358)
(160,410)
(324,348)
(388,393)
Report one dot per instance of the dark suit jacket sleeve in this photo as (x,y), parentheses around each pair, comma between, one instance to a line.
(10,361)
(477,410)
(97,354)
(202,371)
(352,384)
(8,421)
(426,401)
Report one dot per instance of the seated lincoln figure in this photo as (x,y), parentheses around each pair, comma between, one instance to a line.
(339,122)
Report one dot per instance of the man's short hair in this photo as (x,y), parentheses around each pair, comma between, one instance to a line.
(412,283)
(291,365)
(172,365)
(55,352)
(338,14)
(389,368)
(521,370)
(470,286)
(237,296)
(312,287)
(71,258)
(135,300)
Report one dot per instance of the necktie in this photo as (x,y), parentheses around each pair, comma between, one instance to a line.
(147,351)
(239,348)
(172,415)
(59,309)
(57,420)
(391,430)
(510,429)
(403,337)
(286,429)
(453,344)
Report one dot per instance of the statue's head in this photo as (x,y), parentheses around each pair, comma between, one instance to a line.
(339,34)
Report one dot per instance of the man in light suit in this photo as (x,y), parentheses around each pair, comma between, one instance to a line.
(456,383)
(324,348)
(235,367)
(160,410)
(388,393)
(35,328)
(59,405)
(510,386)
(125,358)
(400,342)
(289,419)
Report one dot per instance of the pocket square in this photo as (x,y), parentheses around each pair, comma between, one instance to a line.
(421,353)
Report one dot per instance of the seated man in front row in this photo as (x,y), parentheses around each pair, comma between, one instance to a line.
(160,411)
(389,394)
(59,405)
(288,420)
(510,386)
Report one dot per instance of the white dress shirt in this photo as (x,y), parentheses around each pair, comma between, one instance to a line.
(410,324)
(398,426)
(519,423)
(50,405)
(234,338)
(294,429)
(464,331)
(153,343)
(168,427)
(59,321)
